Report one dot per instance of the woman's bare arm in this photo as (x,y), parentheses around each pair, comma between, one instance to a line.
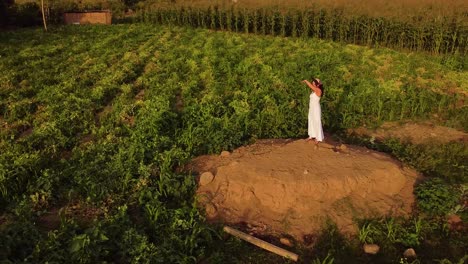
(316,90)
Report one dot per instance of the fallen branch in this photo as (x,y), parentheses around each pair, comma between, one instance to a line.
(261,243)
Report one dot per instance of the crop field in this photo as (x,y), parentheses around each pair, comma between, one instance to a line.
(95,122)
(421,11)
(431,26)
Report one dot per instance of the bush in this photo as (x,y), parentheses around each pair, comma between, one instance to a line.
(5,11)
(25,15)
(435,197)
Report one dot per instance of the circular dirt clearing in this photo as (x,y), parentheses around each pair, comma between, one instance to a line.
(290,187)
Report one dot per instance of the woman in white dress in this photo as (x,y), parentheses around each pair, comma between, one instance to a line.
(315,130)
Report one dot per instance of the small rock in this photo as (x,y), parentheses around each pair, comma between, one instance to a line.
(409,253)
(343,148)
(225,153)
(455,222)
(211,210)
(371,248)
(306,171)
(286,242)
(206,178)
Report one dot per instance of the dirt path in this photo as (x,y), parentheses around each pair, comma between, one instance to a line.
(288,186)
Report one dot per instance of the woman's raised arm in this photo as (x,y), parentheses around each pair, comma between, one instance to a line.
(317,91)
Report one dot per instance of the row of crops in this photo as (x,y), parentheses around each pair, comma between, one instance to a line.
(439,35)
(96,120)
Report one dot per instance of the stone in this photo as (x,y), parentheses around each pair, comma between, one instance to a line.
(455,222)
(343,148)
(225,153)
(286,242)
(409,253)
(206,178)
(371,248)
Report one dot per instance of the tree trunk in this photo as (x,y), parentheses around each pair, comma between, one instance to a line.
(43,15)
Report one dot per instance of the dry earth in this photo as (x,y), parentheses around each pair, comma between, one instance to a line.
(288,186)
(416,133)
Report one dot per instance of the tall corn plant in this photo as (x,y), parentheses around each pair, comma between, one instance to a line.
(237,20)
(305,24)
(229,15)
(246,20)
(284,24)
(444,36)
(263,22)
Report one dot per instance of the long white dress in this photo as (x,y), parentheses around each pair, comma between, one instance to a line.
(315,118)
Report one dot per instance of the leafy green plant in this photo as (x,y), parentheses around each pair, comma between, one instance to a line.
(411,236)
(365,233)
(447,261)
(435,197)
(327,260)
(111,123)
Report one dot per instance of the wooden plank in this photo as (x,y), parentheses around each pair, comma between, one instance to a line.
(260,243)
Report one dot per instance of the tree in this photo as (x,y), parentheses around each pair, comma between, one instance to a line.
(131,3)
(43,15)
(5,10)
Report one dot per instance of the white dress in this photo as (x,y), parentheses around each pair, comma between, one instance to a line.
(315,118)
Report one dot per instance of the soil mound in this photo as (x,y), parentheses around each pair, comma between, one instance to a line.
(286,186)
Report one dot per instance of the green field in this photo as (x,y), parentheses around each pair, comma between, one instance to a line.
(95,120)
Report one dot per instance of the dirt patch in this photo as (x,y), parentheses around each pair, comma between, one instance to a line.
(288,186)
(50,220)
(99,116)
(26,132)
(87,139)
(83,214)
(3,123)
(416,133)
(140,95)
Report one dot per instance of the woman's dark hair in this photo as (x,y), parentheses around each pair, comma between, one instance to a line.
(318,84)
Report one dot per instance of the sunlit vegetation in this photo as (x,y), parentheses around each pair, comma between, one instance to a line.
(95,120)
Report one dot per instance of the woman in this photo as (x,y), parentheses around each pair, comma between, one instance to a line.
(315,130)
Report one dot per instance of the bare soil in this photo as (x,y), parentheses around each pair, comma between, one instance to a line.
(289,187)
(416,133)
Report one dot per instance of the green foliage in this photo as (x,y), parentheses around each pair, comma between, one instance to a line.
(434,35)
(435,197)
(25,15)
(100,118)
(18,234)
(332,247)
(430,236)
(447,261)
(365,233)
(327,260)
(387,232)
(447,161)
(5,11)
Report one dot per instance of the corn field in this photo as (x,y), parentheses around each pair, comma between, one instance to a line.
(446,35)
